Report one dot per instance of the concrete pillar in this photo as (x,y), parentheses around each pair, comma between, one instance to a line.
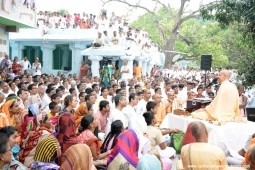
(17,50)
(47,59)
(144,66)
(95,65)
(149,66)
(130,60)
(76,57)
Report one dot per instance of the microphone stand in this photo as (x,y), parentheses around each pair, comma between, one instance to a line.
(205,80)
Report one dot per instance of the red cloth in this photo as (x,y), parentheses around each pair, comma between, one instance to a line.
(16,67)
(66,135)
(76,19)
(188,137)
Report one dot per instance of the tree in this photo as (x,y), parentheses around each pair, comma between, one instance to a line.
(227,12)
(200,38)
(240,14)
(203,38)
(63,12)
(170,34)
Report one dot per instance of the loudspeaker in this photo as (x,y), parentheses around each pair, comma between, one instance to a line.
(206,62)
(250,109)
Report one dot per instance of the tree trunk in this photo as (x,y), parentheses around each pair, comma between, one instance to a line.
(169,59)
(169,49)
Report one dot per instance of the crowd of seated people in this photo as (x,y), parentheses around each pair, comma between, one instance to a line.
(113,126)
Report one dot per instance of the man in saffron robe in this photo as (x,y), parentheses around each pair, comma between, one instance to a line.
(225,105)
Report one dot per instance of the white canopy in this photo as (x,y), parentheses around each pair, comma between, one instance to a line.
(105,51)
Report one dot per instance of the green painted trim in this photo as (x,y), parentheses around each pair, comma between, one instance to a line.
(8,22)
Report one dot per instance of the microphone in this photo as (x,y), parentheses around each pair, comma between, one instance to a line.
(214,81)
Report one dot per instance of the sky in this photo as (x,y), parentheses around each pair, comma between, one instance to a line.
(94,6)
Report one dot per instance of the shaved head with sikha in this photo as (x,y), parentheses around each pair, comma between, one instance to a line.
(199,131)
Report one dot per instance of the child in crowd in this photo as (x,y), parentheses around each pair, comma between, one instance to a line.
(53,114)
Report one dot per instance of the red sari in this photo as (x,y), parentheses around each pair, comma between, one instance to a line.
(66,135)
(16,67)
(83,71)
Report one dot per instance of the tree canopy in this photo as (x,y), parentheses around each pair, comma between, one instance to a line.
(197,37)
(241,15)
(227,12)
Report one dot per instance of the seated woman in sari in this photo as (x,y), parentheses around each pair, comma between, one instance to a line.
(46,154)
(125,152)
(77,157)
(66,128)
(10,114)
(110,140)
(33,110)
(88,125)
(40,129)
(82,110)
(66,135)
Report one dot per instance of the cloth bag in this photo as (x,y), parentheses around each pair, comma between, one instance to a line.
(176,141)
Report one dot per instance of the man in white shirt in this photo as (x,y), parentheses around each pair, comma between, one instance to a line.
(23,94)
(106,39)
(116,113)
(25,64)
(5,89)
(34,96)
(129,110)
(141,106)
(124,71)
(135,122)
(43,96)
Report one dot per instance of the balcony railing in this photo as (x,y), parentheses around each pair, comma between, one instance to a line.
(13,13)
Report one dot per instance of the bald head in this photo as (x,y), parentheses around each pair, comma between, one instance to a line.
(170,95)
(156,98)
(224,75)
(199,131)
(147,94)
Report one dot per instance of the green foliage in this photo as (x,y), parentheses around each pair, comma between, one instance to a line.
(203,37)
(239,16)
(245,63)
(63,11)
(148,22)
(227,12)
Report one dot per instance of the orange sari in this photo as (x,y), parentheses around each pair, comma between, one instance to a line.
(81,111)
(5,117)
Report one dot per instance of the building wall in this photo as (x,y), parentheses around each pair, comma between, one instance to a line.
(4,42)
(17,15)
(47,53)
